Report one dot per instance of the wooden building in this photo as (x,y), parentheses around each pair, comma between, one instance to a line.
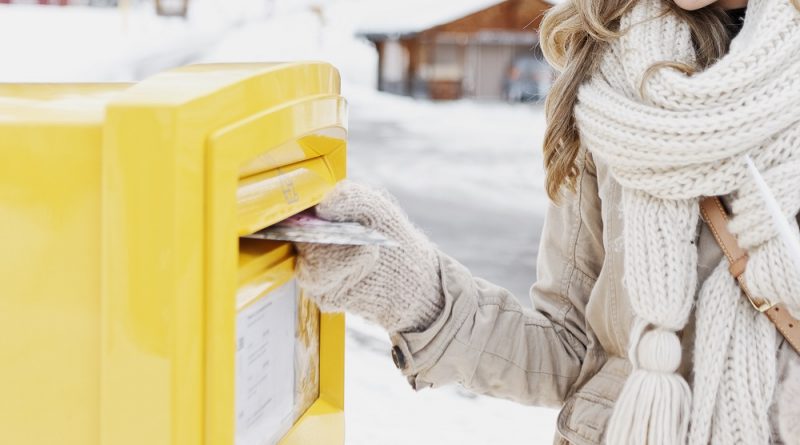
(488,51)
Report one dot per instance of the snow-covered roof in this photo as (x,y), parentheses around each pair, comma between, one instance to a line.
(412,16)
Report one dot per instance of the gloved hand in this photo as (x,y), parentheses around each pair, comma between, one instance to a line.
(396,287)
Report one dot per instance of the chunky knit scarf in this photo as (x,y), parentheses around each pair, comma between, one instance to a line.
(683,138)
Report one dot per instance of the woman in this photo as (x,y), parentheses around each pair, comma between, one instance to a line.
(638,332)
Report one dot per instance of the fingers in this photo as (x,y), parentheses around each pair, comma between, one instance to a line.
(351,201)
(327,271)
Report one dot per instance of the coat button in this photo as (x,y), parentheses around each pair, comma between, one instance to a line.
(398,357)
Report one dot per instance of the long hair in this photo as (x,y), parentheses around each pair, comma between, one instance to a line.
(574,35)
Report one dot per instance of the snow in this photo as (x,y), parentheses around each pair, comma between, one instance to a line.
(417,15)
(82,44)
(300,34)
(486,149)
(469,173)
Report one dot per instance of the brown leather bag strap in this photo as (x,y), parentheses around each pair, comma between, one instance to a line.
(716,217)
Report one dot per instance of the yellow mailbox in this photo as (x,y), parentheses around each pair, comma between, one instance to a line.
(131,312)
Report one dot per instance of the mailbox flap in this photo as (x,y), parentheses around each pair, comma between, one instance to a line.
(260,170)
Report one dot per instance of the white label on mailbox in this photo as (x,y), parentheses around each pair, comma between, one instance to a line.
(265,338)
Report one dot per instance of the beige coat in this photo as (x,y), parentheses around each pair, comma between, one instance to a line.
(571,351)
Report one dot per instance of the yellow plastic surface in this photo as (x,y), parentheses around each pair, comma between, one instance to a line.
(50,263)
(122,208)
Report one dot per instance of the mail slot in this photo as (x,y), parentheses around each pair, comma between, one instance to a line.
(131,309)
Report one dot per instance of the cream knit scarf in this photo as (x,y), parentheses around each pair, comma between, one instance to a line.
(686,139)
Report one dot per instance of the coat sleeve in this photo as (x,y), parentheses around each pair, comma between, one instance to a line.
(489,343)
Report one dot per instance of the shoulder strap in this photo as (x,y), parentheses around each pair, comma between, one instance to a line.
(716,217)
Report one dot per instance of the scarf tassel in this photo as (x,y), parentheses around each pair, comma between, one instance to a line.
(654,405)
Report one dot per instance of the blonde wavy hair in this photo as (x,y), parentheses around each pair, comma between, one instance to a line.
(573,37)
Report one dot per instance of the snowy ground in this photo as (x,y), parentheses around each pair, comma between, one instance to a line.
(468,173)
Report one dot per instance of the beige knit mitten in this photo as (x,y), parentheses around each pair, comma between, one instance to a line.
(396,287)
